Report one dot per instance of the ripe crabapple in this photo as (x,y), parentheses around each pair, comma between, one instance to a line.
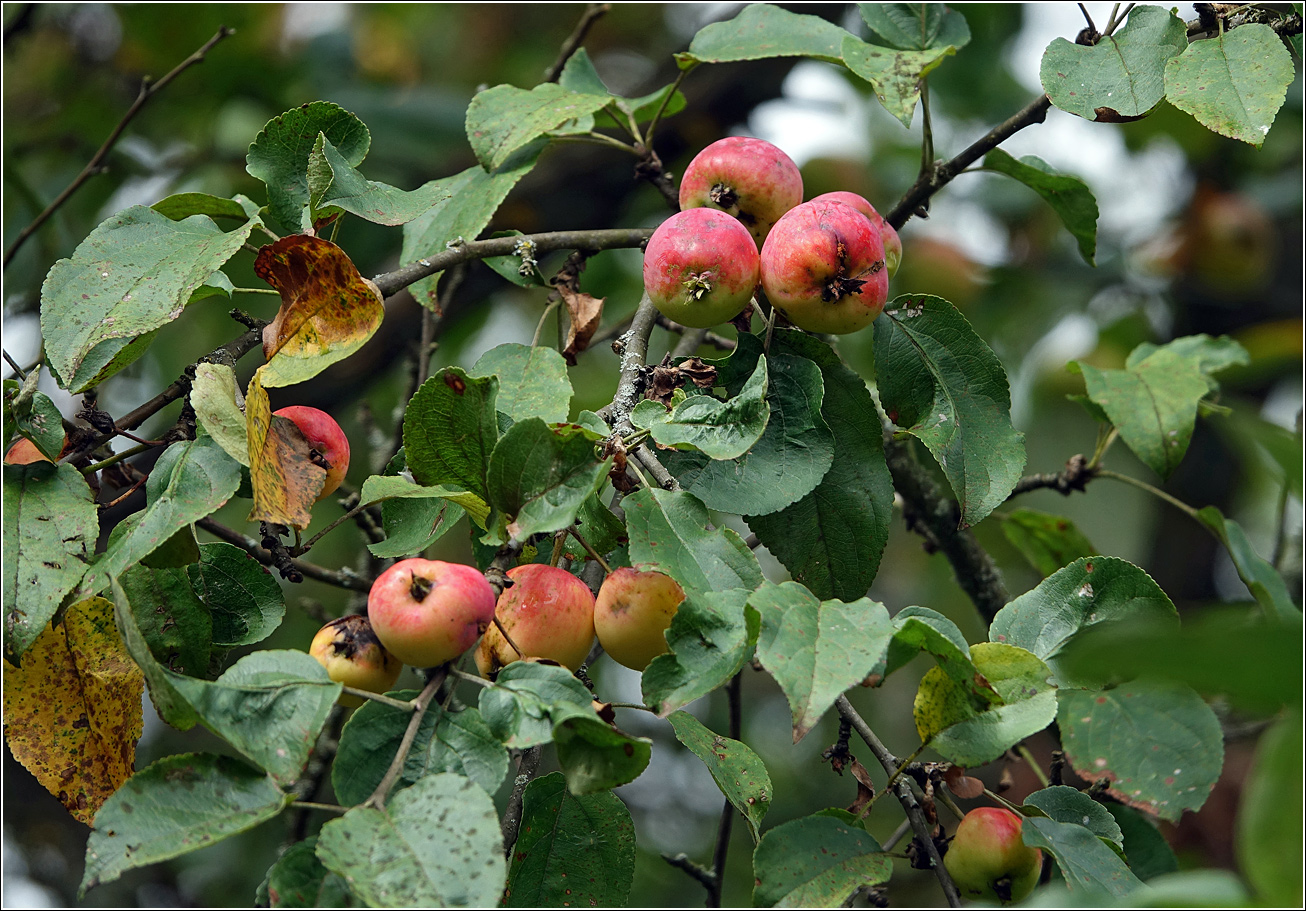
(700,267)
(352,654)
(987,859)
(823,267)
(632,613)
(326,438)
(547,612)
(427,612)
(750,179)
(892,242)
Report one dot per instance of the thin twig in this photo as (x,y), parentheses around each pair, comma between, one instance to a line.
(1087,18)
(1030,761)
(311,805)
(1154,491)
(589,548)
(420,705)
(22,374)
(593,12)
(342,578)
(527,766)
(722,851)
(401,704)
(148,91)
(606,239)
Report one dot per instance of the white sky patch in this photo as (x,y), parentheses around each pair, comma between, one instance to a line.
(819,115)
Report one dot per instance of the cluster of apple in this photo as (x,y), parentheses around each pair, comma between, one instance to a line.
(825,263)
(428,612)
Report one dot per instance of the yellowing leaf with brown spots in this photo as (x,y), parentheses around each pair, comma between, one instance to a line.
(328,310)
(284,479)
(73,710)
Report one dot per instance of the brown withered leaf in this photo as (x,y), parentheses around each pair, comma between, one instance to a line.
(865,789)
(961,784)
(284,478)
(73,710)
(585,311)
(328,310)
(664,379)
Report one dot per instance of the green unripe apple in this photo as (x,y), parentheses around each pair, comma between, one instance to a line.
(987,859)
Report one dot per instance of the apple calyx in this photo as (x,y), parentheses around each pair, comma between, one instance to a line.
(419,588)
(698,284)
(726,197)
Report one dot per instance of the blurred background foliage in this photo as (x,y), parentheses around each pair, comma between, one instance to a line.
(1198,234)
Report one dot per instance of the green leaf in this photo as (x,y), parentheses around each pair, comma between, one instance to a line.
(270,706)
(51,524)
(711,637)
(279,155)
(189,481)
(595,756)
(793,454)
(832,538)
(341,186)
(1146,849)
(1253,662)
(1193,889)
(450,430)
(473,197)
(214,395)
(1067,804)
(1269,835)
(133,274)
(168,702)
(916,26)
(42,423)
(532,382)
(669,532)
(540,475)
(1068,196)
(1047,541)
(414,517)
(941,383)
(948,719)
(459,742)
(719,430)
(175,806)
(737,770)
(1234,82)
(519,707)
(919,629)
(1158,743)
(571,850)
(762,30)
(1261,579)
(1123,75)
(175,623)
(817,649)
(180,206)
(815,862)
(504,119)
(1087,864)
(1208,355)
(436,844)
(895,76)
(597,525)
(1089,591)
(298,880)
(245,602)
(1154,405)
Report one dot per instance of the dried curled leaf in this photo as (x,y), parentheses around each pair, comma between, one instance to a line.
(283,475)
(585,311)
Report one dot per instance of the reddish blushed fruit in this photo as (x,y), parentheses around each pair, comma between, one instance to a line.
(325,436)
(427,612)
(700,267)
(632,613)
(892,242)
(548,613)
(987,859)
(750,179)
(823,267)
(352,654)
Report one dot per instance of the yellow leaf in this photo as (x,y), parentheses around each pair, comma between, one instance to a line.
(328,310)
(284,479)
(73,710)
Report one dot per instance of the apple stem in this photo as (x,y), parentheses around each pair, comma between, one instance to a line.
(589,549)
(419,707)
(506,638)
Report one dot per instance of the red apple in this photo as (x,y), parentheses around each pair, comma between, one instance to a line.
(427,612)
(823,267)
(987,859)
(700,267)
(892,242)
(750,179)
(632,613)
(548,613)
(326,438)
(352,654)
